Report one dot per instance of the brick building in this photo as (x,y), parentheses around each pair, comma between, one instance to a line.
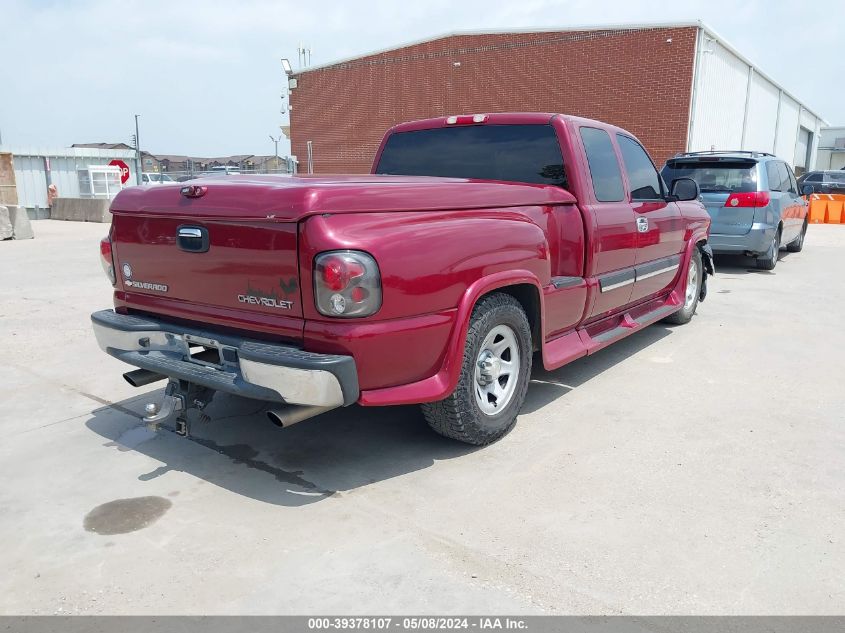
(677,87)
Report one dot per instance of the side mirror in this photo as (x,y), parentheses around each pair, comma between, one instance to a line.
(806,190)
(685,189)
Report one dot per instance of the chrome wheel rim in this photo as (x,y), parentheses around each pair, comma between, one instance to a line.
(692,285)
(496,370)
(776,247)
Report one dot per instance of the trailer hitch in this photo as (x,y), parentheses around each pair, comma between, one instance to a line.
(180,396)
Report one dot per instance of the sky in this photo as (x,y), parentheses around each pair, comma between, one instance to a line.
(206,79)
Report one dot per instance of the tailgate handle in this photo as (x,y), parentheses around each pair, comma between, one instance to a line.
(193,239)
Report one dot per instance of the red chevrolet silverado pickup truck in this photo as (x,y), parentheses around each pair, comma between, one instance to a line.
(476,241)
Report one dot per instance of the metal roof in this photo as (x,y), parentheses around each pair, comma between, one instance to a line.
(571,29)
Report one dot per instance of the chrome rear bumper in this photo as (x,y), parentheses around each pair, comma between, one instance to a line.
(249,368)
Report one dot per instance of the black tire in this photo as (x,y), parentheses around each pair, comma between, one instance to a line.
(797,244)
(684,315)
(460,416)
(770,259)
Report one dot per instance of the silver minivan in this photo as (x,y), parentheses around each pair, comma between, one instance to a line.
(752,198)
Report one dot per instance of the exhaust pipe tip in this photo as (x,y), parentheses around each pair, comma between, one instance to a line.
(276,419)
(291,414)
(141,377)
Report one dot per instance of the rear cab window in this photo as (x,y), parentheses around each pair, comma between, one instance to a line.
(514,153)
(714,175)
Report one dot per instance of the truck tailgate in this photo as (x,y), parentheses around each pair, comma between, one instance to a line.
(243,270)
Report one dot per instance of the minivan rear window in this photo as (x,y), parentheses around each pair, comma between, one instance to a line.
(714,177)
(517,153)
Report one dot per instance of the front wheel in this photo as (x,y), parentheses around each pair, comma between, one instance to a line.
(692,291)
(494,377)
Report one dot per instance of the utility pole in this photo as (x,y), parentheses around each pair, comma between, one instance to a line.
(276,149)
(137,153)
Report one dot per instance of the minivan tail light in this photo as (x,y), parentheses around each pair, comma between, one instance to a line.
(748,199)
(107,259)
(346,284)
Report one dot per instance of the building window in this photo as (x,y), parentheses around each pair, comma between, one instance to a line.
(99,181)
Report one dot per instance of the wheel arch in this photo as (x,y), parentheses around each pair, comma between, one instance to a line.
(522,284)
(528,295)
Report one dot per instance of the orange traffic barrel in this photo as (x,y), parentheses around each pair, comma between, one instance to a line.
(827,208)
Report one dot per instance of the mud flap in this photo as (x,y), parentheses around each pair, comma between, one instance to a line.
(709,266)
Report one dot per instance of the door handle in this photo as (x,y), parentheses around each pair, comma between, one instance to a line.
(642,225)
(189,231)
(193,239)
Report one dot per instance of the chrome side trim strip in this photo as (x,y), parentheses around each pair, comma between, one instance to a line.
(659,271)
(618,284)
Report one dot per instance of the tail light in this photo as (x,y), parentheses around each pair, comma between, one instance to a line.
(748,199)
(107,260)
(346,284)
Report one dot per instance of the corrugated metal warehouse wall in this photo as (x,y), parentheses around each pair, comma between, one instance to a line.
(762,113)
(31,180)
(31,170)
(735,106)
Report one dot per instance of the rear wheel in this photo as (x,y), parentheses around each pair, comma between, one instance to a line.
(692,291)
(770,259)
(494,375)
(797,244)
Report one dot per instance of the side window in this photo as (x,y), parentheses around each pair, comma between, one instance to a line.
(785,182)
(773,176)
(793,185)
(815,177)
(604,168)
(645,183)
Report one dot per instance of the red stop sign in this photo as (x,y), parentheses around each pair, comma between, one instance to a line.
(124,169)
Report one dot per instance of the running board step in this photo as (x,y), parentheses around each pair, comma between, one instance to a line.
(578,343)
(628,326)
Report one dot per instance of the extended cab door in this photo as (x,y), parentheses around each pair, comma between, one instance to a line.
(609,222)
(660,227)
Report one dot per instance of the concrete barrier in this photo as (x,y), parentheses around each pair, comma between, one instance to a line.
(6,231)
(21,226)
(81,210)
(14,223)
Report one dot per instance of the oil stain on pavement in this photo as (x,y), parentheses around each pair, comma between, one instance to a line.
(126,515)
